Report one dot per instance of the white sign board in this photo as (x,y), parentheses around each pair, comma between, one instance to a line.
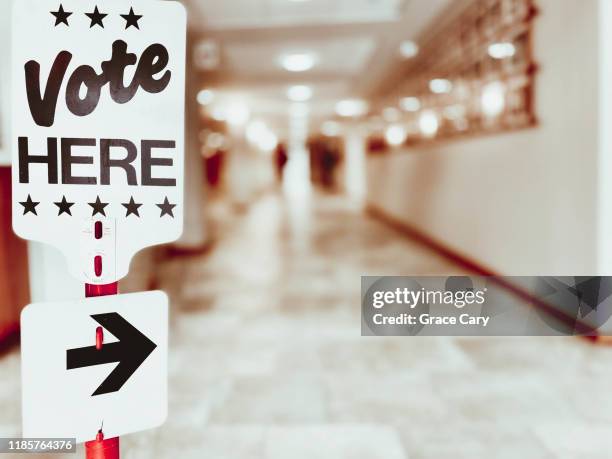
(97,128)
(70,387)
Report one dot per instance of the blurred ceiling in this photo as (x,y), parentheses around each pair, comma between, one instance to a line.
(355,42)
(246,14)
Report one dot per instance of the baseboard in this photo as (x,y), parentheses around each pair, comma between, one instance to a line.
(462,260)
(475,267)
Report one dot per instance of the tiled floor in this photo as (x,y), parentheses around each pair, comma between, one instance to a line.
(267,361)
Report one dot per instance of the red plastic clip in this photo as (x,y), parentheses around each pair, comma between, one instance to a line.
(99,338)
(98,265)
(98,231)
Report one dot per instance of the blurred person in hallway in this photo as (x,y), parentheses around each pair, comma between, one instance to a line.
(280,160)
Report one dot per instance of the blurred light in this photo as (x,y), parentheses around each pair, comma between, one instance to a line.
(428,123)
(330,128)
(410,104)
(501,50)
(352,107)
(395,135)
(298,62)
(493,100)
(203,135)
(237,113)
(440,86)
(218,113)
(454,112)
(408,49)
(299,93)
(268,141)
(206,55)
(255,130)
(391,114)
(215,141)
(205,96)
(258,134)
(462,90)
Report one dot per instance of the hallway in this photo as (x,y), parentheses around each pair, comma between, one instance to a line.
(267,361)
(271,317)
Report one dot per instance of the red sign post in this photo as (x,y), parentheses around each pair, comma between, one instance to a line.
(102,448)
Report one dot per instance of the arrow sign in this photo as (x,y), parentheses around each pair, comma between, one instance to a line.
(130,351)
(130,369)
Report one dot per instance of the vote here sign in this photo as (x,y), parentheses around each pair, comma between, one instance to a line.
(97,128)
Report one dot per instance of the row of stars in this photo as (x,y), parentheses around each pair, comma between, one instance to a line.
(96,18)
(64,207)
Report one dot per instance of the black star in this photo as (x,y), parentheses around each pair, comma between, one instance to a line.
(132,208)
(29,206)
(96,18)
(98,207)
(64,206)
(61,16)
(166,208)
(131,19)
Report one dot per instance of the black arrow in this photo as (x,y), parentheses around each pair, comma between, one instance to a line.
(130,351)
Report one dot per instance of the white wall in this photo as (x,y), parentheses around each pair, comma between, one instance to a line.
(49,277)
(354,179)
(605,138)
(521,203)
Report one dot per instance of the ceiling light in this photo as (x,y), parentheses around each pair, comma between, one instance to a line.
(299,93)
(408,49)
(501,50)
(410,104)
(493,99)
(352,107)
(205,96)
(330,128)
(395,135)
(298,62)
(428,123)
(440,86)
